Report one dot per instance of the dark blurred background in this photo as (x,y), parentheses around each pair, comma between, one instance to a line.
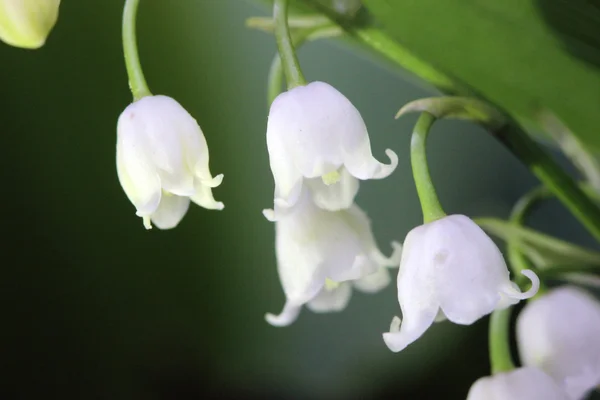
(96,307)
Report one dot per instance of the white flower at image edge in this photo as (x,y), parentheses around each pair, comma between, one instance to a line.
(519,384)
(322,254)
(450,269)
(316,136)
(27,23)
(162,161)
(560,334)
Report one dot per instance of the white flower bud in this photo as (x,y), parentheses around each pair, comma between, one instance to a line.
(560,334)
(162,161)
(27,23)
(450,266)
(315,133)
(519,384)
(321,253)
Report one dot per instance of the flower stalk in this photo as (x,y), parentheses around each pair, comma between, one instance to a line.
(430,204)
(291,66)
(499,343)
(137,82)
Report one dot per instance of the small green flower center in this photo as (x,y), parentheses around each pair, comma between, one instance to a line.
(331,177)
(330,284)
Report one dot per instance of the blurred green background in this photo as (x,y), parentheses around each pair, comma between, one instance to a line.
(96,307)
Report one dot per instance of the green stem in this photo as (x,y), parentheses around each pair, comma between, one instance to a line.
(551,175)
(291,66)
(137,82)
(499,341)
(516,259)
(430,204)
(275,79)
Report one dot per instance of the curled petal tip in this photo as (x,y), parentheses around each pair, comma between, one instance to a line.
(394,341)
(269,214)
(386,170)
(147,223)
(535,286)
(288,315)
(214,182)
(275,320)
(395,324)
(394,259)
(392,156)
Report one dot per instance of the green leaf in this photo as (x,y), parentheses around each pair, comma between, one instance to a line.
(526,56)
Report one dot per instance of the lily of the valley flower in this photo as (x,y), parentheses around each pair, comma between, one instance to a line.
(162,161)
(27,23)
(560,334)
(315,133)
(450,269)
(322,254)
(519,384)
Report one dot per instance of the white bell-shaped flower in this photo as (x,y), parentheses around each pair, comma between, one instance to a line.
(162,161)
(27,23)
(322,254)
(315,133)
(450,268)
(560,334)
(519,384)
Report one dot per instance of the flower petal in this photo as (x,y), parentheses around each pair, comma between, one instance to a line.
(560,334)
(519,384)
(361,223)
(288,315)
(514,293)
(374,282)
(170,211)
(288,179)
(470,274)
(415,291)
(138,178)
(204,197)
(411,329)
(337,196)
(299,257)
(362,165)
(305,127)
(331,300)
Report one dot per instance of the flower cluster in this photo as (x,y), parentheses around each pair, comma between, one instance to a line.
(319,149)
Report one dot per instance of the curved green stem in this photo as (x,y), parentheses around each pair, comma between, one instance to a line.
(275,79)
(137,82)
(276,71)
(291,66)
(499,341)
(516,259)
(430,204)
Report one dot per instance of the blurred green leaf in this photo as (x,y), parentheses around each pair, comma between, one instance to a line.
(524,55)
